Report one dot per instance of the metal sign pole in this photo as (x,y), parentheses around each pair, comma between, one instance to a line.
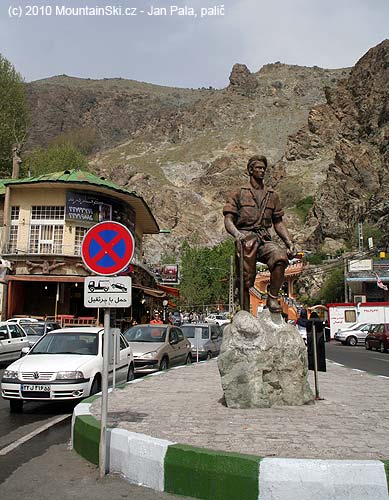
(104,396)
(317,396)
(197,346)
(114,361)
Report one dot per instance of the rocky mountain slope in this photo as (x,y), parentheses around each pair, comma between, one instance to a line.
(185,149)
(345,145)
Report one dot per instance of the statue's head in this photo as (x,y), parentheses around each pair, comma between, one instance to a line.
(256,160)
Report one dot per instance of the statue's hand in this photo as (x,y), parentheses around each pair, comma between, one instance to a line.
(240,237)
(292,251)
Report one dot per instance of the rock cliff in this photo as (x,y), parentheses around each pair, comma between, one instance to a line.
(324,131)
(345,145)
(182,149)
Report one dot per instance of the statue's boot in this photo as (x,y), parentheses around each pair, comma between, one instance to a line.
(273,304)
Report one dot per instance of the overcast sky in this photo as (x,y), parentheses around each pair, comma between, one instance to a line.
(186,51)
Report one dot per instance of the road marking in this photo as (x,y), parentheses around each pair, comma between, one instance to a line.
(382,376)
(32,434)
(383,360)
(357,370)
(337,364)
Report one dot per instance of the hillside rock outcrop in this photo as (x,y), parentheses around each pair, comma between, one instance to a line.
(324,131)
(349,137)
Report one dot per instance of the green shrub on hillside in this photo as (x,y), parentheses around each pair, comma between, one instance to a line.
(54,159)
(303,207)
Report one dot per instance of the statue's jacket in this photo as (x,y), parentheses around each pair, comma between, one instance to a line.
(254,210)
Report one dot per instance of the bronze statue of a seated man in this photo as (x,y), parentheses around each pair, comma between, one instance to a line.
(249,213)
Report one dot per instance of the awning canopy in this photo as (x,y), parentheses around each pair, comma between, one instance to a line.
(150,291)
(170,290)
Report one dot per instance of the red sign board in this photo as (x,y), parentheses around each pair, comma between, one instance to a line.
(107,248)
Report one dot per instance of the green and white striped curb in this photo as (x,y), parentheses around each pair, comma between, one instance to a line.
(217,475)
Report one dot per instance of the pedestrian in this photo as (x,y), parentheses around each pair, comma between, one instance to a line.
(156,320)
(303,318)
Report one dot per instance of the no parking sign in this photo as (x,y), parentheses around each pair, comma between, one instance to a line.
(107,248)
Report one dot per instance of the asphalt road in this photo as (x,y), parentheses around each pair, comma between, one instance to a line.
(358,357)
(43,467)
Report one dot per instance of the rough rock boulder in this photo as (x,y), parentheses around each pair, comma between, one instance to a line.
(263,363)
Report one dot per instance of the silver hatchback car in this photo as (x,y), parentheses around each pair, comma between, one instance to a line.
(206,339)
(158,347)
(12,340)
(355,334)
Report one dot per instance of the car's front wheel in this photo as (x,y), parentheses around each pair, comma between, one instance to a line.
(367,346)
(95,387)
(188,360)
(164,364)
(130,373)
(16,406)
(352,341)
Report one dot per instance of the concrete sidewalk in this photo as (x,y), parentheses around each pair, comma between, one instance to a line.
(344,437)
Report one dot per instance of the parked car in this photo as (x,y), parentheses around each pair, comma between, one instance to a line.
(36,330)
(207,337)
(175,318)
(378,338)
(355,335)
(219,319)
(12,340)
(24,319)
(65,364)
(158,347)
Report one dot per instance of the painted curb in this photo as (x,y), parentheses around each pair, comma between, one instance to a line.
(211,475)
(283,478)
(217,475)
(138,457)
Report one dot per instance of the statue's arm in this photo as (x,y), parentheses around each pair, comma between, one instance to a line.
(283,233)
(229,224)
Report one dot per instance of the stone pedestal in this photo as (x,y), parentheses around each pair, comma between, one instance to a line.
(263,363)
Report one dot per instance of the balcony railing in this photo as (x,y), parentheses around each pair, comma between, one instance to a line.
(42,249)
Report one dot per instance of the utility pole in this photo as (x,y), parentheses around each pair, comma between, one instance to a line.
(360,237)
(231,305)
(345,280)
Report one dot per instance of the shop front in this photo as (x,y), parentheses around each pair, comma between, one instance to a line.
(45,220)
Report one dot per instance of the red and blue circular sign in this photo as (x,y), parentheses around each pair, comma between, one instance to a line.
(107,248)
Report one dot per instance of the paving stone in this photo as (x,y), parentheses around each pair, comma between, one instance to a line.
(185,406)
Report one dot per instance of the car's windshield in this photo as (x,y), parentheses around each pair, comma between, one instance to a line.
(357,326)
(148,333)
(36,330)
(67,343)
(189,331)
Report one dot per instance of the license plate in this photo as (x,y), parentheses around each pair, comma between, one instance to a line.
(36,388)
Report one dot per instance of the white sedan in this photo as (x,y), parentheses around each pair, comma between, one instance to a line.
(219,319)
(65,364)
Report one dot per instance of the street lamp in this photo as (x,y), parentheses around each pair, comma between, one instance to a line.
(165,304)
